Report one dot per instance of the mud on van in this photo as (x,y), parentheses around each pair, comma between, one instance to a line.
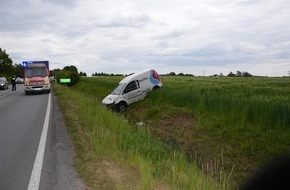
(132,89)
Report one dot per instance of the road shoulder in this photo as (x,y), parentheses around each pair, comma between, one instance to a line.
(65,176)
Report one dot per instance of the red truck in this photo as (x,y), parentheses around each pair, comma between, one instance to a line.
(36,76)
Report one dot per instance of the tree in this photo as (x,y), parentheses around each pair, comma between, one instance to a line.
(71,68)
(246,74)
(239,74)
(18,70)
(54,72)
(172,74)
(6,66)
(231,74)
(83,74)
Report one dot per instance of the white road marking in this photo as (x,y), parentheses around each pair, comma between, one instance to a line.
(10,93)
(6,94)
(37,167)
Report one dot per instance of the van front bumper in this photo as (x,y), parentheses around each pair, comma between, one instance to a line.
(110,106)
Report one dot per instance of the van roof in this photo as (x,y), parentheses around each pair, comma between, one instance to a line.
(128,78)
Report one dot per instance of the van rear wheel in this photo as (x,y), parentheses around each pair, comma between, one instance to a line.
(121,107)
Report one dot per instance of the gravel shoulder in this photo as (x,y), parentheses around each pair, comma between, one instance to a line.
(62,174)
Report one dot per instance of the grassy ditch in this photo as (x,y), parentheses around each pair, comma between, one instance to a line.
(110,153)
(232,126)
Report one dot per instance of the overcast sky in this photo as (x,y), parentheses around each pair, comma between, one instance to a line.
(199,37)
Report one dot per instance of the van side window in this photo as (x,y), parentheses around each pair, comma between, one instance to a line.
(132,86)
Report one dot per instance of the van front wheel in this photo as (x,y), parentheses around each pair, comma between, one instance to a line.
(121,107)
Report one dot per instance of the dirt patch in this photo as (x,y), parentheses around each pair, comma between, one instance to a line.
(179,131)
(113,172)
(119,176)
(175,130)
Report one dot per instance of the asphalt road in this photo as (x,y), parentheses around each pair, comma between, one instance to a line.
(22,126)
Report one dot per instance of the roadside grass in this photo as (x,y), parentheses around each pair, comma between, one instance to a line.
(226,127)
(111,153)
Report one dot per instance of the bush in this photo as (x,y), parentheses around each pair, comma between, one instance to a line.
(74,76)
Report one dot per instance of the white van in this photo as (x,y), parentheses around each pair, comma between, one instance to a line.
(132,89)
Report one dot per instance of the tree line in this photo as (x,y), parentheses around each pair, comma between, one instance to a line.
(7,68)
(231,74)
(105,74)
(240,74)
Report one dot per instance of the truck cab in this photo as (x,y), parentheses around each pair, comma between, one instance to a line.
(36,75)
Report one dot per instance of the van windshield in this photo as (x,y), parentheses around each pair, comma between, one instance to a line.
(119,89)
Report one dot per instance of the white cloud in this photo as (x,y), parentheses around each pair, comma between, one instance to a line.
(201,37)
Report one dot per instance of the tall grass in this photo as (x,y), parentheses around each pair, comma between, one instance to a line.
(260,101)
(105,142)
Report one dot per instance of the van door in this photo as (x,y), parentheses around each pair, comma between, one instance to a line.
(132,92)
